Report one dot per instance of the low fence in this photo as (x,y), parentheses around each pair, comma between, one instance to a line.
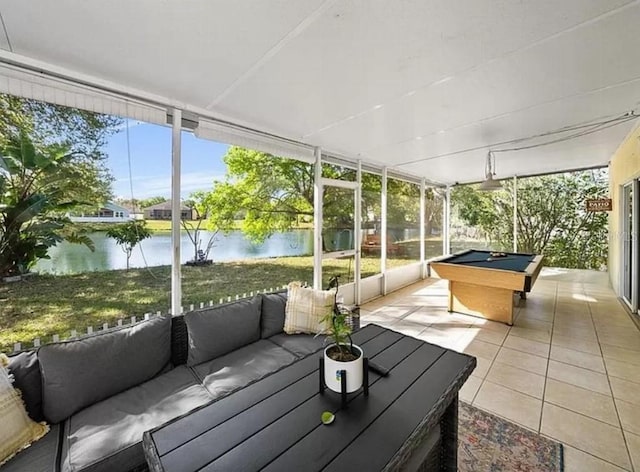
(75,334)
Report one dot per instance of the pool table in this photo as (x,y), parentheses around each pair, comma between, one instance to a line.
(482,285)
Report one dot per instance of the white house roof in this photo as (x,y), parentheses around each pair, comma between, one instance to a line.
(423,86)
(115,207)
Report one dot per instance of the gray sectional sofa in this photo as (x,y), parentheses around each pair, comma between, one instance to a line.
(100,393)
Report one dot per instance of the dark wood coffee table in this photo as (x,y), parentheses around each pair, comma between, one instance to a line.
(274,424)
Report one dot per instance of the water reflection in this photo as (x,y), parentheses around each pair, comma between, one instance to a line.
(69,258)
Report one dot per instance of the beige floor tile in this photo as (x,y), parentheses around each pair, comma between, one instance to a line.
(378,318)
(468,391)
(477,348)
(633,443)
(577,358)
(426,317)
(576,460)
(588,334)
(529,323)
(492,325)
(532,334)
(439,337)
(620,354)
(517,379)
(623,370)
(578,376)
(539,314)
(583,401)
(488,335)
(613,330)
(576,344)
(625,390)
(607,319)
(630,341)
(629,416)
(527,345)
(562,325)
(514,406)
(522,360)
(586,434)
(482,367)
(408,328)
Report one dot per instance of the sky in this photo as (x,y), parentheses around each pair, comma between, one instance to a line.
(150,151)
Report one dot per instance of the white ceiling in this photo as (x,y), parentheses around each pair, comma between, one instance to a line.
(423,86)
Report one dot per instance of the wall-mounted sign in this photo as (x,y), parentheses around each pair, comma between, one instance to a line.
(599,204)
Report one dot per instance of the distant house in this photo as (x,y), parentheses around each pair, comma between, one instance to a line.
(162,211)
(107,213)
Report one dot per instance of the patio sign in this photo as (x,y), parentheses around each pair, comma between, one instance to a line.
(599,204)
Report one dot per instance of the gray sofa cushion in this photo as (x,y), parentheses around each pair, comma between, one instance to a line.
(216,331)
(41,456)
(299,344)
(225,374)
(273,313)
(25,369)
(107,436)
(76,374)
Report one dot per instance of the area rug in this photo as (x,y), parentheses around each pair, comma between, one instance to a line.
(487,443)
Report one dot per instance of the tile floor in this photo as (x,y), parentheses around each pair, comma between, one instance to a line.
(569,368)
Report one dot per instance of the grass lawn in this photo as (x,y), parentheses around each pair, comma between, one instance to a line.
(43,305)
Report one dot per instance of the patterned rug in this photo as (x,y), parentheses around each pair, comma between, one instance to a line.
(491,444)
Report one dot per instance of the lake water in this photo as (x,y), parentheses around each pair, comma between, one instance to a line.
(69,258)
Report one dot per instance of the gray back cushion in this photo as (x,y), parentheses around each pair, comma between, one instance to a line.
(273,312)
(76,374)
(216,331)
(25,369)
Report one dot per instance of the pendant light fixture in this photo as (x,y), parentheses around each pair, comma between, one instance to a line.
(489,184)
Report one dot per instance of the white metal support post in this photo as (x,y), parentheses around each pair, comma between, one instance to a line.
(176,146)
(358,235)
(515,213)
(635,259)
(423,266)
(446,222)
(383,231)
(317,220)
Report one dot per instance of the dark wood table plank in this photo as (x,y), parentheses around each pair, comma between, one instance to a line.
(403,418)
(293,429)
(181,430)
(274,424)
(226,435)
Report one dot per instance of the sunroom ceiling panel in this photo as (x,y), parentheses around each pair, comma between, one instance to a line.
(353,59)
(547,72)
(189,51)
(595,107)
(588,151)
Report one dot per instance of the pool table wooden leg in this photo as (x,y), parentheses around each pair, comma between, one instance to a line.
(480,300)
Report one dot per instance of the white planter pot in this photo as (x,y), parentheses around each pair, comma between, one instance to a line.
(332,372)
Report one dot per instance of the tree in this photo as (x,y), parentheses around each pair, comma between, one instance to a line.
(128,235)
(84,133)
(37,185)
(147,202)
(552,218)
(52,162)
(271,194)
(201,204)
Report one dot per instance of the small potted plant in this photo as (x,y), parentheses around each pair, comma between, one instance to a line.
(341,354)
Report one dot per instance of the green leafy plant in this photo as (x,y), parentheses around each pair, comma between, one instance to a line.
(37,187)
(337,329)
(128,235)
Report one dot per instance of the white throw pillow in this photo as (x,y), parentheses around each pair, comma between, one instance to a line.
(18,430)
(305,308)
